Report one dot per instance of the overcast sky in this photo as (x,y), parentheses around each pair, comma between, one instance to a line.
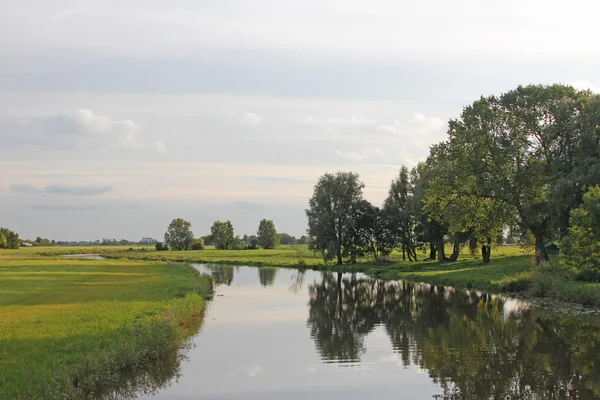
(118,116)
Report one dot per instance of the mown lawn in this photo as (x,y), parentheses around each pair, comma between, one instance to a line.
(72,328)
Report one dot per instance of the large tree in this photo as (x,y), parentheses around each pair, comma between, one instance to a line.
(525,151)
(330,212)
(179,234)
(222,236)
(267,234)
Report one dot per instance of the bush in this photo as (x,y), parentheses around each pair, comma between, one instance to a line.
(198,244)
(159,246)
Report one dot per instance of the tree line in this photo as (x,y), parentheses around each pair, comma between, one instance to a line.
(179,236)
(520,162)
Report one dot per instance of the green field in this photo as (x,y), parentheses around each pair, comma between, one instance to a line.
(511,269)
(85,328)
(75,328)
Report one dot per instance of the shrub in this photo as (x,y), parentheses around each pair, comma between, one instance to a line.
(198,244)
(159,246)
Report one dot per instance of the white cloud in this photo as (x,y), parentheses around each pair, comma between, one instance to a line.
(360,156)
(585,85)
(83,122)
(350,155)
(387,129)
(251,119)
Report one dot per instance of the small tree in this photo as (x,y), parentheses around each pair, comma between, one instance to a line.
(179,234)
(267,234)
(222,235)
(581,248)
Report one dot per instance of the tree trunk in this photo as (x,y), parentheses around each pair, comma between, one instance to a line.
(432,251)
(403,252)
(486,251)
(455,248)
(441,251)
(339,257)
(541,255)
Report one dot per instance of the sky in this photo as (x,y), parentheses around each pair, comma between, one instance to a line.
(118,116)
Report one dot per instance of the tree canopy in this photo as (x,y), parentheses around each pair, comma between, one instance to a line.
(179,234)
(267,234)
(222,236)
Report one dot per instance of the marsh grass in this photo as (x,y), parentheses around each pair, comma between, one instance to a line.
(78,329)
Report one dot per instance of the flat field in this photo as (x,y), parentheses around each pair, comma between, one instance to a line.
(75,328)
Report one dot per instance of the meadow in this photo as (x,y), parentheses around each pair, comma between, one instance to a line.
(511,270)
(80,329)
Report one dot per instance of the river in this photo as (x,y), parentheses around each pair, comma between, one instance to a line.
(285,334)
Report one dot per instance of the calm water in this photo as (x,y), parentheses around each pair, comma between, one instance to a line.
(282,334)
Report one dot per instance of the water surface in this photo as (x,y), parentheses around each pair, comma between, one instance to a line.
(284,334)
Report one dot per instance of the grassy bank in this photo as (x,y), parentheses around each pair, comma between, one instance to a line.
(85,328)
(511,269)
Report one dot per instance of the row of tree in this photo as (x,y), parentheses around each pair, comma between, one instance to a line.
(518,162)
(179,236)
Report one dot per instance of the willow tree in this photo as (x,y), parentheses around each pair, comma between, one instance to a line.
(516,148)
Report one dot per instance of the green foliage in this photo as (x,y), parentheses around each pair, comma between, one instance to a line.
(581,248)
(159,246)
(9,239)
(198,244)
(179,234)
(286,238)
(267,234)
(222,236)
(330,212)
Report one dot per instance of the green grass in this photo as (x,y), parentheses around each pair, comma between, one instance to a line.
(77,328)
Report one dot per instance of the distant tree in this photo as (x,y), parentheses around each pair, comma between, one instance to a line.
(53,243)
(330,212)
(285,238)
(198,244)
(251,241)
(42,242)
(160,246)
(581,248)
(148,240)
(238,243)
(222,235)
(179,234)
(9,239)
(302,240)
(267,234)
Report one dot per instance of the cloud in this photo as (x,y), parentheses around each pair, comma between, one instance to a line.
(70,129)
(77,190)
(387,129)
(360,156)
(27,189)
(65,207)
(251,119)
(585,85)
(84,123)
(350,155)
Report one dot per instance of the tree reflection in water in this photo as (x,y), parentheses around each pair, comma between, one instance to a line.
(222,274)
(467,342)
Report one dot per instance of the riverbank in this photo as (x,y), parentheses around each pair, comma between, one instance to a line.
(511,269)
(82,329)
